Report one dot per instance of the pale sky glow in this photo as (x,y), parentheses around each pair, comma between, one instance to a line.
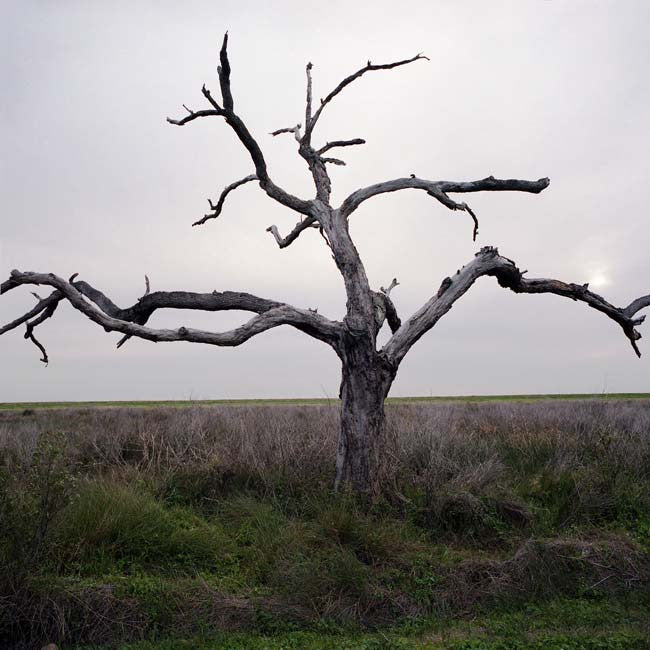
(599,280)
(94,181)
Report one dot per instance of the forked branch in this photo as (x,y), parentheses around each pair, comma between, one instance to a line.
(42,305)
(369,67)
(31,325)
(440,189)
(488,262)
(242,132)
(216,209)
(131,321)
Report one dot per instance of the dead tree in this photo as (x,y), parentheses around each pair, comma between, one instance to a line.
(367,373)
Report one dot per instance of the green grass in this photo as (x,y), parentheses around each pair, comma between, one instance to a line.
(560,624)
(316,575)
(109,525)
(8,406)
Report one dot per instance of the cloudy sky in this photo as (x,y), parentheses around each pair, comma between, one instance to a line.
(94,181)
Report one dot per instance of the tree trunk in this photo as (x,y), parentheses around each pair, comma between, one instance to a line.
(366,449)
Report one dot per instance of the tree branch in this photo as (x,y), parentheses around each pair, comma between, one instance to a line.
(244,135)
(147,291)
(224,76)
(346,82)
(54,297)
(488,262)
(333,161)
(385,308)
(29,335)
(44,309)
(283,242)
(193,116)
(130,321)
(452,205)
(393,319)
(99,298)
(31,325)
(439,189)
(340,143)
(290,129)
(208,95)
(637,305)
(386,290)
(216,209)
(308,68)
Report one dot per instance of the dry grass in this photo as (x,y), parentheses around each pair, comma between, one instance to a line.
(463,442)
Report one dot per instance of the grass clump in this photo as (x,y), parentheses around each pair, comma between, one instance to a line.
(108,525)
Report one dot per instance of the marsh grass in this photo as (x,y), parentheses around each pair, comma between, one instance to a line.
(125,524)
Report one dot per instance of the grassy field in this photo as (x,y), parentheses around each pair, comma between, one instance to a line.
(5,406)
(510,524)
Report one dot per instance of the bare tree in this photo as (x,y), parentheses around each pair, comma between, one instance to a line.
(367,373)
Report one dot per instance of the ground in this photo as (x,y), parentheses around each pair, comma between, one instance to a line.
(511,523)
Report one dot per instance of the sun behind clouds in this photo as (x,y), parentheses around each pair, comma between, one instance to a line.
(599,279)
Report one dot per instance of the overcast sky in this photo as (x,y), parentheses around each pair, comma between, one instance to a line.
(95,181)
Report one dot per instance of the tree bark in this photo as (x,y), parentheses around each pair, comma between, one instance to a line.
(366,449)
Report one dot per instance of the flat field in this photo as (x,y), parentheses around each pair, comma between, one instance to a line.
(512,522)
(316,401)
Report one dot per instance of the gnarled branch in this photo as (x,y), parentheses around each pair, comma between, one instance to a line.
(440,189)
(130,321)
(43,304)
(244,135)
(31,325)
(452,205)
(488,262)
(43,310)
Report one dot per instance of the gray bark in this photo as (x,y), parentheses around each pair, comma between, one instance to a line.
(365,448)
